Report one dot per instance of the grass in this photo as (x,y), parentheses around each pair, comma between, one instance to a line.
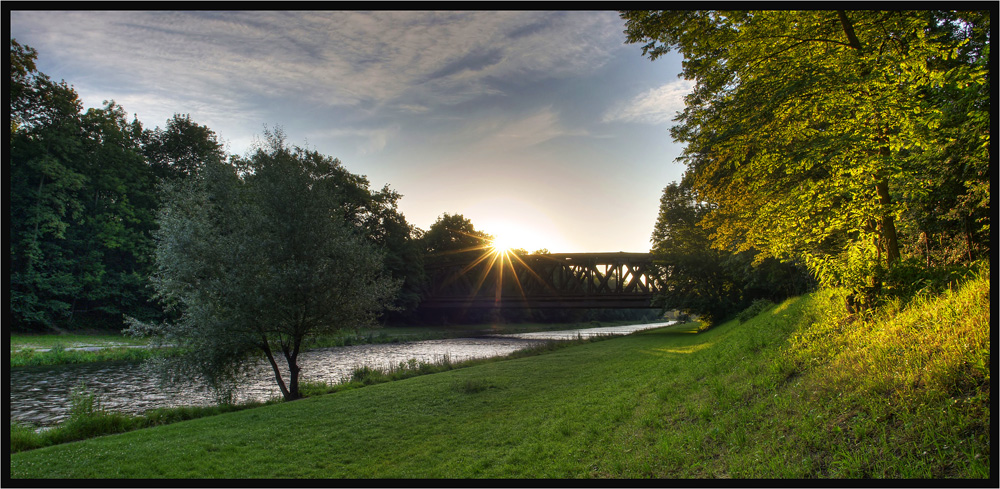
(34,350)
(798,391)
(61,356)
(36,341)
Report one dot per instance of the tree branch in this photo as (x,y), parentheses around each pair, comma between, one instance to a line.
(849,30)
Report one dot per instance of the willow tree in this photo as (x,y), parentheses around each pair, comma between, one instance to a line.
(805,127)
(256,256)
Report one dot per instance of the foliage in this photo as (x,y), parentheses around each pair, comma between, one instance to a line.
(256,258)
(453,234)
(180,149)
(36,101)
(756,307)
(375,216)
(81,207)
(711,283)
(821,134)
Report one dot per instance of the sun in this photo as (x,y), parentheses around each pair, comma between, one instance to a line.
(502,246)
(508,236)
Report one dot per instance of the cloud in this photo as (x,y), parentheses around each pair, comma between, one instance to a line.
(503,134)
(331,58)
(655,106)
(367,141)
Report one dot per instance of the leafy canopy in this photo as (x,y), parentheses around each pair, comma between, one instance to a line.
(257,257)
(809,130)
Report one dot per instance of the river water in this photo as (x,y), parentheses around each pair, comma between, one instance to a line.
(40,395)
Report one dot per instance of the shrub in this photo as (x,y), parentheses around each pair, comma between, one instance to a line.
(758,306)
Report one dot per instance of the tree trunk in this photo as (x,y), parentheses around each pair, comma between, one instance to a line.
(968,238)
(293,377)
(886,223)
(277,372)
(927,247)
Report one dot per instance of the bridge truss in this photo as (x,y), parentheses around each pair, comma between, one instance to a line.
(564,280)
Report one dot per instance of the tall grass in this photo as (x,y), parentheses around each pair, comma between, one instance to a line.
(88,419)
(909,383)
(59,355)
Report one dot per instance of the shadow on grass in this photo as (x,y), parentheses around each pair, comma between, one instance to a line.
(693,327)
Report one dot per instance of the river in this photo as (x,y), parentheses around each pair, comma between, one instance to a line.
(40,395)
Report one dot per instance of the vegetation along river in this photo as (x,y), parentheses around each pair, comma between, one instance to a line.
(41,395)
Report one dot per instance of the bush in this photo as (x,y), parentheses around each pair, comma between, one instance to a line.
(23,438)
(758,306)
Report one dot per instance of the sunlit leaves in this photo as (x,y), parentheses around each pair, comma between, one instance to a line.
(809,129)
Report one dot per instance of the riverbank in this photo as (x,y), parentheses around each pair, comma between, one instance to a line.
(60,349)
(799,391)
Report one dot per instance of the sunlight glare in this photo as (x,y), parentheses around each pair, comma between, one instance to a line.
(502,245)
(508,236)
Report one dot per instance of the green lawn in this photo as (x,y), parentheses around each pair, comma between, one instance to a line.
(797,391)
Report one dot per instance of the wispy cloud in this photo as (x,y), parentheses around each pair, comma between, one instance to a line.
(366,141)
(334,58)
(655,106)
(507,133)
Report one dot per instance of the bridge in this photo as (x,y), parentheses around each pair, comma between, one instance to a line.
(563,280)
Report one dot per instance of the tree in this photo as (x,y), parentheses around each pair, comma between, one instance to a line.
(181,148)
(453,233)
(81,206)
(112,245)
(806,129)
(375,216)
(36,102)
(256,257)
(44,186)
(711,283)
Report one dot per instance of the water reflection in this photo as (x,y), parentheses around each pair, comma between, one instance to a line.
(570,334)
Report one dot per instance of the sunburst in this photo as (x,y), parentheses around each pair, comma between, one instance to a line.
(496,257)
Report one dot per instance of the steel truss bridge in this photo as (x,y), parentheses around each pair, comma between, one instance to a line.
(564,280)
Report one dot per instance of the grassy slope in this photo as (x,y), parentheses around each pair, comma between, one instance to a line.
(796,392)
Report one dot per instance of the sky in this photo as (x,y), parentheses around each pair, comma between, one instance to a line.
(543,128)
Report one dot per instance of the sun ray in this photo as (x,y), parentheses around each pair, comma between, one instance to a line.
(497,254)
